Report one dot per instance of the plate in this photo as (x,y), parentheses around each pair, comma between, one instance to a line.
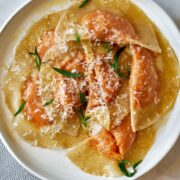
(52,163)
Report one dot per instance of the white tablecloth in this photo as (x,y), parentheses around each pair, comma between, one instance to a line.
(169,167)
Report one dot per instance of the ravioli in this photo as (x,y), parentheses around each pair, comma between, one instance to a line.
(108,94)
(91,22)
(63,91)
(144,88)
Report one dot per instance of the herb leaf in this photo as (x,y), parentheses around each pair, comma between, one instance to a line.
(107,47)
(38,60)
(83,119)
(115,65)
(77,37)
(128,69)
(81,110)
(46,61)
(82,99)
(20,108)
(49,102)
(121,75)
(136,164)
(67,73)
(125,171)
(84,3)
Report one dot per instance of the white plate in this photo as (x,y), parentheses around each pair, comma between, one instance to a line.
(53,164)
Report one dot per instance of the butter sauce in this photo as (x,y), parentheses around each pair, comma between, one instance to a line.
(23,66)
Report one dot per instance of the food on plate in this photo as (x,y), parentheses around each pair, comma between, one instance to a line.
(97,78)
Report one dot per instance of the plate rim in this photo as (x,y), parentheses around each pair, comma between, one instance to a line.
(3,137)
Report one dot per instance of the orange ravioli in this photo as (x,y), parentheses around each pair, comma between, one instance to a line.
(104,85)
(34,108)
(108,80)
(67,92)
(116,142)
(106,144)
(108,27)
(144,86)
(145,83)
(124,135)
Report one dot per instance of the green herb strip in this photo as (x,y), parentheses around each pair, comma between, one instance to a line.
(128,69)
(77,37)
(82,99)
(115,65)
(47,61)
(20,108)
(67,73)
(84,3)
(121,75)
(38,60)
(107,47)
(83,118)
(48,102)
(125,171)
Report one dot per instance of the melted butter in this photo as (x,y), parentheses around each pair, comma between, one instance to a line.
(143,142)
(46,139)
(12,88)
(170,71)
